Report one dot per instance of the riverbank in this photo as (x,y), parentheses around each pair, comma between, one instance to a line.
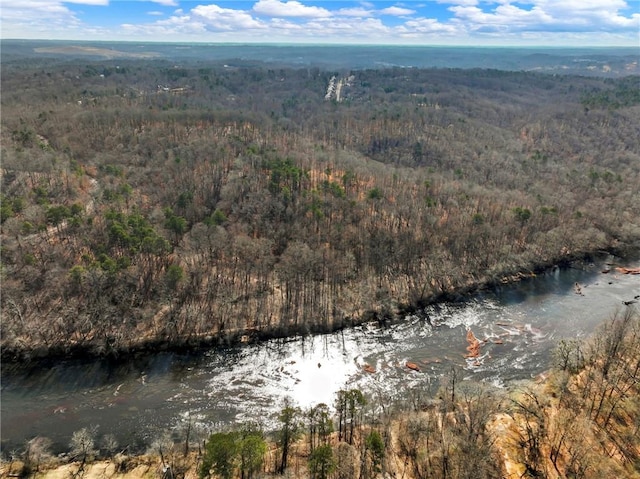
(140,467)
(23,354)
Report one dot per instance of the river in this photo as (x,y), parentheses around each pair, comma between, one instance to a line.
(142,398)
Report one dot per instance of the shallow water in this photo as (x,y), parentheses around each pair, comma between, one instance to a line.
(145,397)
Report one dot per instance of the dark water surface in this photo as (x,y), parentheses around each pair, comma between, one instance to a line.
(146,396)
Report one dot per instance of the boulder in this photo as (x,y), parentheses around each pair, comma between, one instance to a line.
(413,366)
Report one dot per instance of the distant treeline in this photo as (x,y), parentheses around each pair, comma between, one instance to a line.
(609,62)
(151,203)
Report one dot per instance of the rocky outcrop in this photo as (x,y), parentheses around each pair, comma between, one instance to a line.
(623,270)
(412,366)
(473,350)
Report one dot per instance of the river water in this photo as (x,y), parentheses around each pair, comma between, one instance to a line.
(139,400)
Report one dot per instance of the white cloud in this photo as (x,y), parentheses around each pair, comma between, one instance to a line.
(507,15)
(38,18)
(172,27)
(216,18)
(33,11)
(344,29)
(292,8)
(600,14)
(355,12)
(166,3)
(85,2)
(427,25)
(581,5)
(465,3)
(283,26)
(37,6)
(559,22)
(554,16)
(397,11)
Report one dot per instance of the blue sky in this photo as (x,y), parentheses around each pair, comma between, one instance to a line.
(427,22)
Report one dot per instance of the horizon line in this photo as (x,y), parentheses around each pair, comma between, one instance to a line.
(302,43)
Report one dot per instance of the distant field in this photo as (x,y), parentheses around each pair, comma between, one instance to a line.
(94,51)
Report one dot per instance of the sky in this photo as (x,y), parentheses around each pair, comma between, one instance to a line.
(426,22)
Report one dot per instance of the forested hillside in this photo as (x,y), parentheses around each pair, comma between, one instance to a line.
(150,203)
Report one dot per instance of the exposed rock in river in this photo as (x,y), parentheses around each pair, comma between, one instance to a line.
(412,366)
(474,345)
(368,368)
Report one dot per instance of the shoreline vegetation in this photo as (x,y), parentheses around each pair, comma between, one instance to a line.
(28,358)
(148,204)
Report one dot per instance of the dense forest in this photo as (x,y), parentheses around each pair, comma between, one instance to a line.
(153,203)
